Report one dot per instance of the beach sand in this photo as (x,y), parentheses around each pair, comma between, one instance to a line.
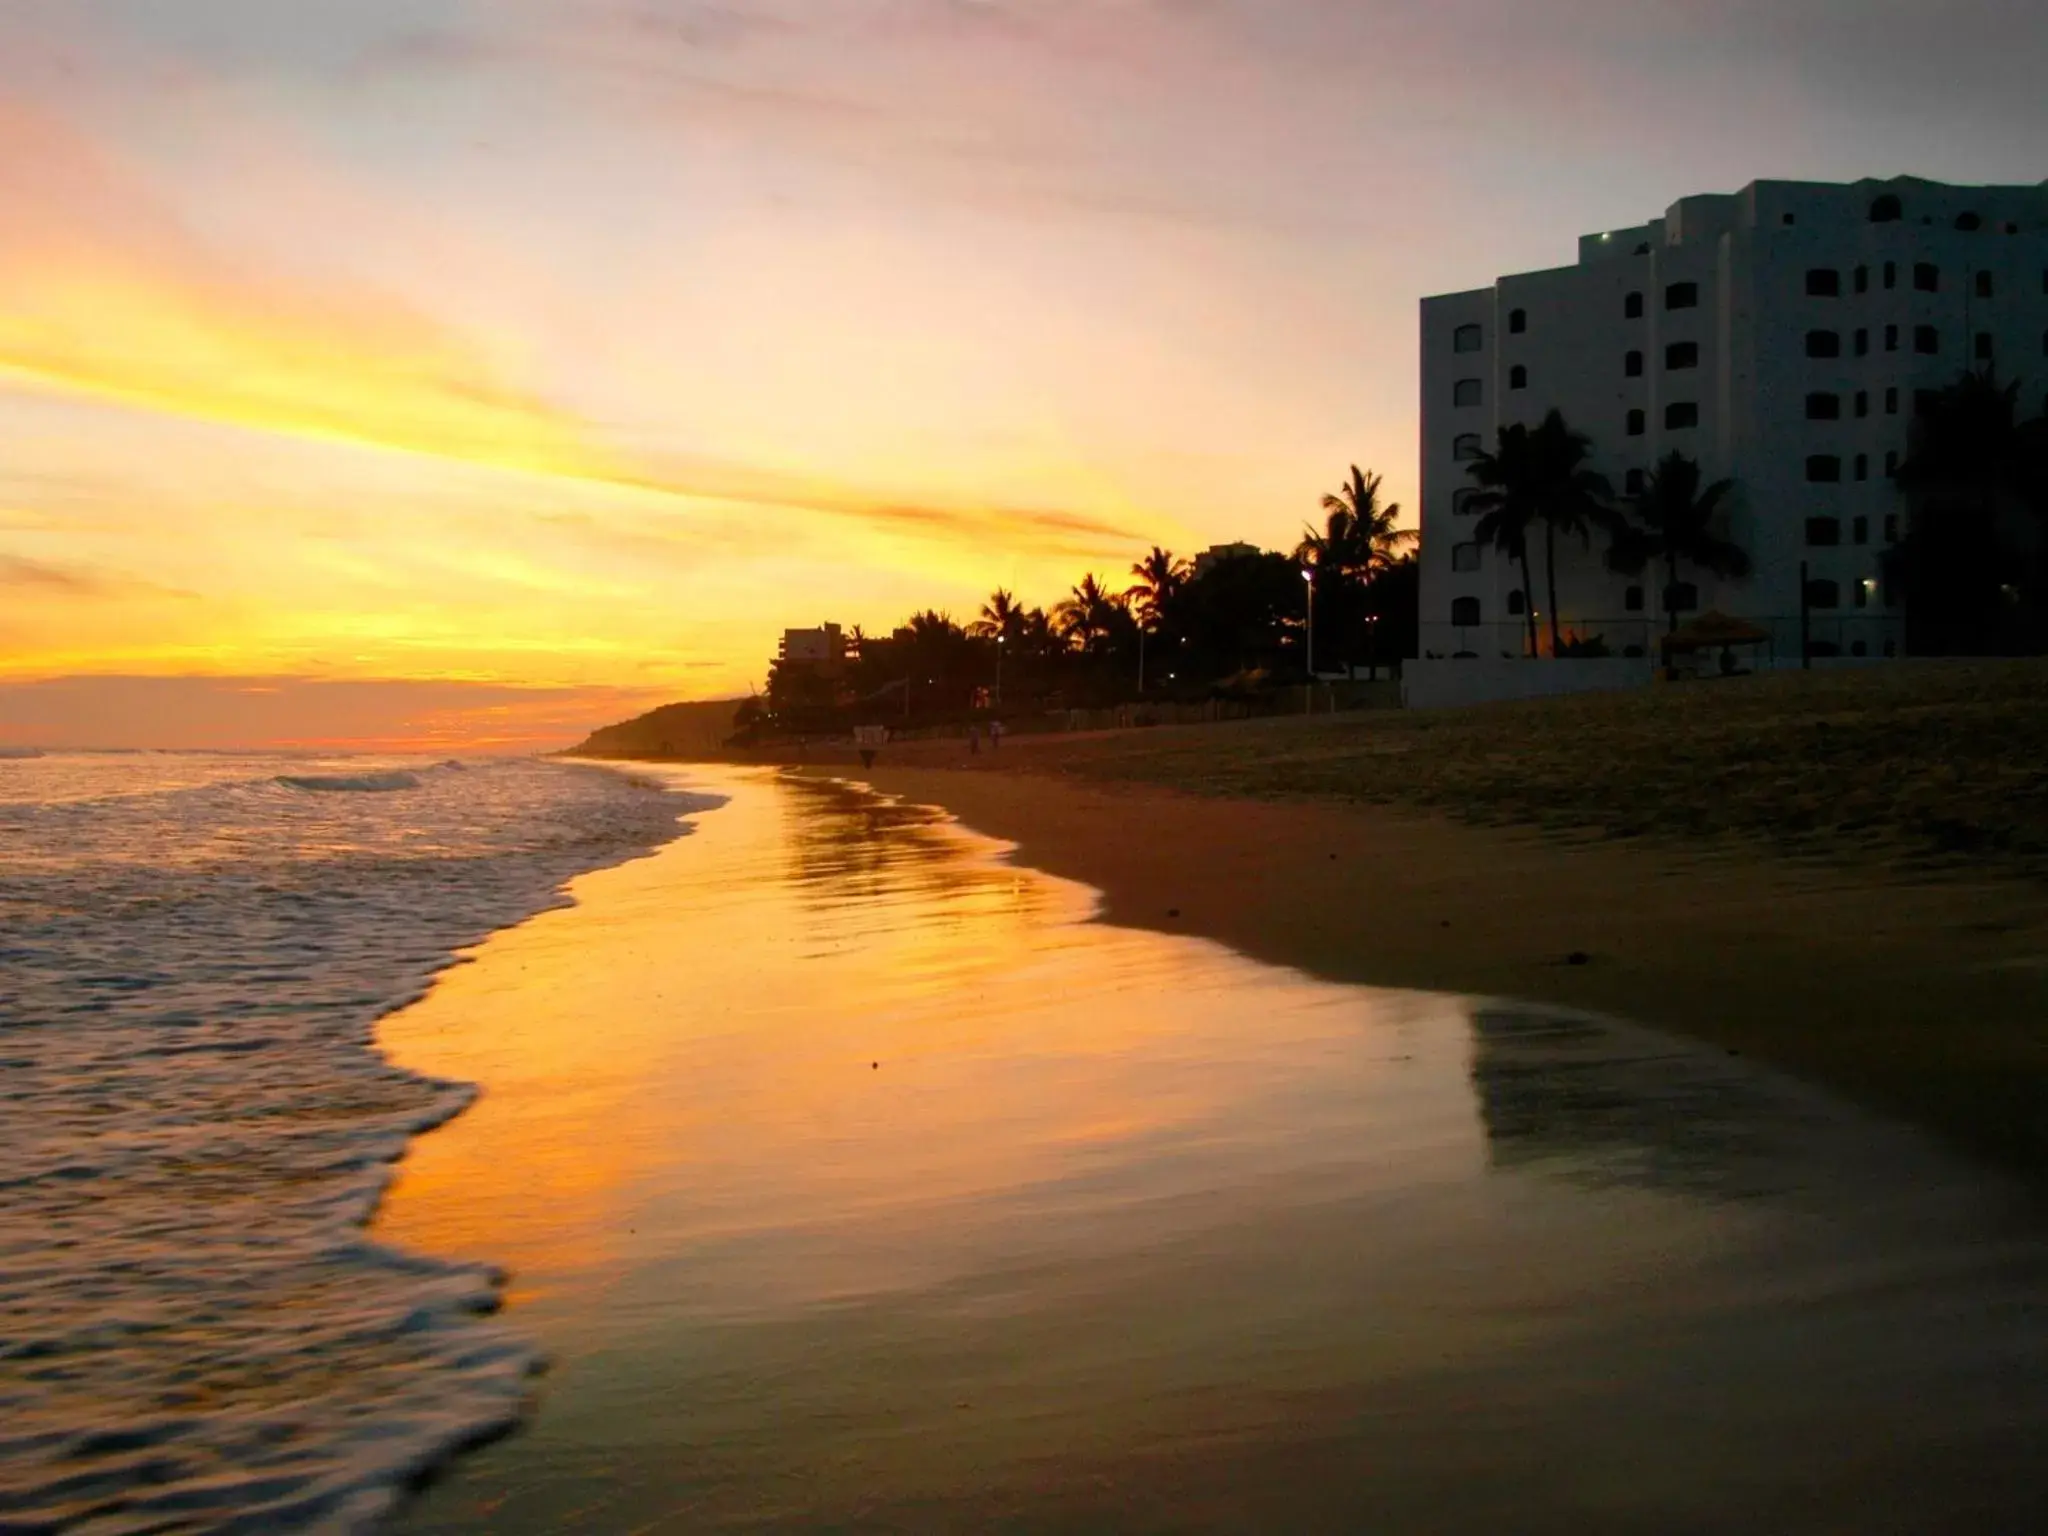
(1925,996)
(855,1177)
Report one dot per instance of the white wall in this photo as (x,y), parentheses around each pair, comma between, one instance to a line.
(1454,684)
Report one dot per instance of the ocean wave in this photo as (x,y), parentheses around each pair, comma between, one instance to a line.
(350,783)
(199,1336)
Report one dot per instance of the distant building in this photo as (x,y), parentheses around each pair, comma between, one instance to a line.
(823,650)
(1779,336)
(1216,554)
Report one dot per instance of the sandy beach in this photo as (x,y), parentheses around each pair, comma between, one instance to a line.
(857,1175)
(1923,995)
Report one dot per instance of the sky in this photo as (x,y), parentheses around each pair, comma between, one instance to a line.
(467,373)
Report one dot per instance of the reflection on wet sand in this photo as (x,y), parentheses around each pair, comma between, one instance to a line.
(855,1180)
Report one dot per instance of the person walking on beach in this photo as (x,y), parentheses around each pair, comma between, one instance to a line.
(995,735)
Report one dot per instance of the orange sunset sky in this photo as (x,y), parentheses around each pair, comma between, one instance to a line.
(465,373)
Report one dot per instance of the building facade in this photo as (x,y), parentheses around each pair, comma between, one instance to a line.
(1779,336)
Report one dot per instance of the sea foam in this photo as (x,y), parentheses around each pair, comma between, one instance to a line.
(195,1334)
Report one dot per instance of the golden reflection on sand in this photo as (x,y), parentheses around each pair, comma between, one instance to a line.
(855,1180)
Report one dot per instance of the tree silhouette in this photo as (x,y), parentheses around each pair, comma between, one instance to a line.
(1001,617)
(1359,538)
(1677,522)
(1538,478)
(1508,506)
(1161,579)
(1085,618)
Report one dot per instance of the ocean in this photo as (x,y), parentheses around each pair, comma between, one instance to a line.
(195,1333)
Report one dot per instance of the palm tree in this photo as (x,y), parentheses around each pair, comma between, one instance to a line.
(1508,506)
(1160,579)
(1001,617)
(1359,537)
(1677,521)
(1083,619)
(1543,482)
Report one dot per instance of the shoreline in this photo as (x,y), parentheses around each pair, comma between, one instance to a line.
(1922,998)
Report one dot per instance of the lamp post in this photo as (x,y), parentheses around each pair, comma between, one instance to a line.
(1001,642)
(1308,694)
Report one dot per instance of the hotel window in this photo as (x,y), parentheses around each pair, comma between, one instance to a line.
(1891,401)
(1823,344)
(1682,354)
(1862,466)
(1632,307)
(1862,342)
(1886,210)
(1891,274)
(1984,346)
(1863,279)
(1463,503)
(1683,413)
(1823,407)
(1464,558)
(1638,424)
(1518,321)
(1984,285)
(1823,469)
(1682,296)
(1632,365)
(1466,446)
(1634,482)
(1862,403)
(1891,338)
(1517,604)
(1969,223)
(1823,283)
(1518,377)
(1823,593)
(1859,530)
(1926,277)
(1926,340)
(1681,597)
(1464,611)
(1823,532)
(1632,599)
(1468,338)
(1468,392)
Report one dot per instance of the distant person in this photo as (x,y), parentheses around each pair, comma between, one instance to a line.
(995,735)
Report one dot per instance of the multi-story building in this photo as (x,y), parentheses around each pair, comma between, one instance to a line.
(1779,336)
(823,650)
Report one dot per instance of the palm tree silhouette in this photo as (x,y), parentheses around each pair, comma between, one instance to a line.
(1160,579)
(1508,506)
(1083,618)
(1677,521)
(1358,537)
(1539,478)
(1002,617)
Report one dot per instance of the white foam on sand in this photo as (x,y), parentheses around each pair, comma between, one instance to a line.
(195,1333)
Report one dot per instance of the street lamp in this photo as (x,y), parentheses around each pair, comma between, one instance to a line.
(1001,641)
(1309,576)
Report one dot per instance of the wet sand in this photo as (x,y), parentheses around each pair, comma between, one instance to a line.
(1925,998)
(855,1179)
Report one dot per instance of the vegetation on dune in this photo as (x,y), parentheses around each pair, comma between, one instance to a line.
(1918,761)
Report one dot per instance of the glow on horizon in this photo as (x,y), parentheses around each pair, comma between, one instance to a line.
(424,341)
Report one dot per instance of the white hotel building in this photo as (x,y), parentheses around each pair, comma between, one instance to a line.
(1777,335)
